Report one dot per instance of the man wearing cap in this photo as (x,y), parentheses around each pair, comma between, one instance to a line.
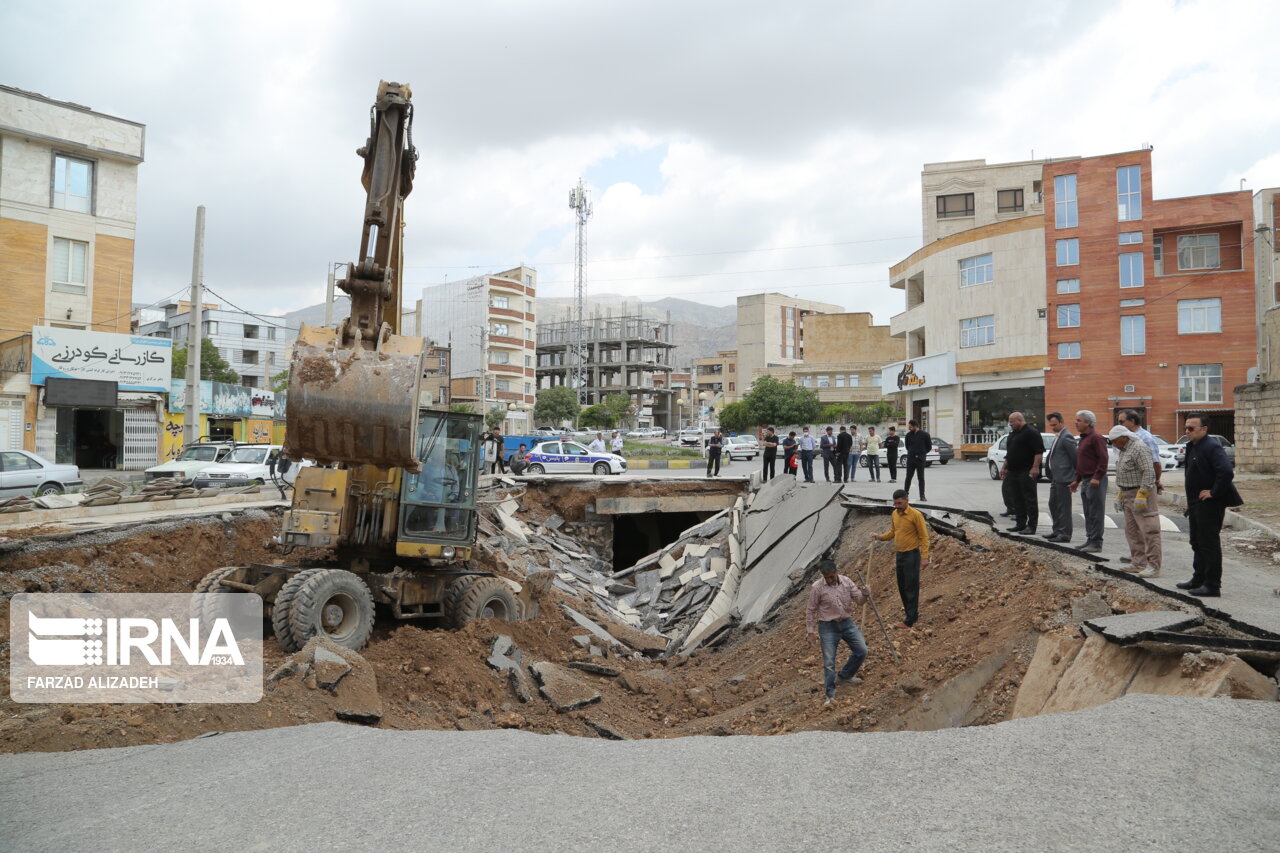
(1136,500)
(829,618)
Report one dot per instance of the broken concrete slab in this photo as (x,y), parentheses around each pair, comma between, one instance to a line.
(513,528)
(1053,655)
(603,729)
(555,522)
(599,632)
(329,668)
(355,694)
(1100,672)
(503,654)
(768,579)
(1129,628)
(520,684)
(763,530)
(594,668)
(1207,674)
(562,689)
(508,507)
(1089,606)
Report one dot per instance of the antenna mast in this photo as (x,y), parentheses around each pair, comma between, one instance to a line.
(581,206)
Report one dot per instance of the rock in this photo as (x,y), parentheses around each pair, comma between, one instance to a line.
(1090,606)
(509,720)
(555,522)
(912,684)
(633,683)
(564,690)
(699,697)
(520,685)
(595,669)
(583,640)
(604,730)
(355,694)
(503,654)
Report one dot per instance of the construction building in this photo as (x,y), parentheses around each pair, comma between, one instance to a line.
(845,355)
(488,323)
(1258,401)
(623,355)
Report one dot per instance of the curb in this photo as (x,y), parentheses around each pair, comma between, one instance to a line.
(657,464)
(1234,519)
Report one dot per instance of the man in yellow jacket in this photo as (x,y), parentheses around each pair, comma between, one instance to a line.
(910,535)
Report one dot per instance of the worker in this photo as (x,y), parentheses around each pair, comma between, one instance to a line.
(829,619)
(518,461)
(910,537)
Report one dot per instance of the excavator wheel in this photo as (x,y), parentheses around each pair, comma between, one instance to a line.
(333,602)
(481,598)
(283,604)
(209,609)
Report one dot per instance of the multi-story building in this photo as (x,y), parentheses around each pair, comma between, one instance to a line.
(973,334)
(256,346)
(845,355)
(68,209)
(623,355)
(1258,401)
(771,332)
(489,324)
(1152,302)
(717,377)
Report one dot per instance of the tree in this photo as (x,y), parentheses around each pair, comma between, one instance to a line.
(853,413)
(619,408)
(735,418)
(837,413)
(597,416)
(494,417)
(463,408)
(280,382)
(212,367)
(555,405)
(771,402)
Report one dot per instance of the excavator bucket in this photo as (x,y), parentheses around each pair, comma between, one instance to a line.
(354,405)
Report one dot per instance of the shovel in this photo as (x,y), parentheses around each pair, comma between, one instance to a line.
(874,609)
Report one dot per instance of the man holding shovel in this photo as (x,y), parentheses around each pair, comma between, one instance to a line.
(910,537)
(829,618)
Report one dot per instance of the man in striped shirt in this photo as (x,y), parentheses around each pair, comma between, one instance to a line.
(829,618)
(910,537)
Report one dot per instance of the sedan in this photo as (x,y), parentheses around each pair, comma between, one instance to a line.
(741,447)
(931,457)
(569,457)
(945,451)
(1222,439)
(997,452)
(22,473)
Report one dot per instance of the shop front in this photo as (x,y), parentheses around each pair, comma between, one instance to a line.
(927,385)
(987,410)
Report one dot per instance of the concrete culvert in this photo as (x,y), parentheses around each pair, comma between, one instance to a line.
(637,536)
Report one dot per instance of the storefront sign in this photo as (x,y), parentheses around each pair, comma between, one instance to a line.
(218,399)
(928,371)
(135,364)
(80,392)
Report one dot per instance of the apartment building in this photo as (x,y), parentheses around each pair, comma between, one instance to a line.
(972,340)
(771,333)
(68,209)
(717,376)
(256,346)
(489,324)
(1258,401)
(845,355)
(1152,302)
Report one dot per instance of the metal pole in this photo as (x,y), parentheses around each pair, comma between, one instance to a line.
(328,296)
(195,317)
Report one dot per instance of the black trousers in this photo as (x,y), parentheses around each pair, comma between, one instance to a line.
(914,467)
(1206,542)
(893,466)
(713,461)
(907,564)
(842,467)
(1019,493)
(770,463)
(786,463)
(828,462)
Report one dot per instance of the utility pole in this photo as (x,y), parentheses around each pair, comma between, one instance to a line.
(484,369)
(195,317)
(328,297)
(581,206)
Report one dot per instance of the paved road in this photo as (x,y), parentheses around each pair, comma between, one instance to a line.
(1142,773)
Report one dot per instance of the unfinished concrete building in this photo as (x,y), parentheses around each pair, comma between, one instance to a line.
(623,355)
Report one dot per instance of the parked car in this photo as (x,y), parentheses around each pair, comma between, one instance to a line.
(193,459)
(647,432)
(1172,449)
(929,458)
(945,451)
(549,432)
(1222,439)
(997,452)
(693,437)
(245,465)
(22,473)
(569,457)
(741,447)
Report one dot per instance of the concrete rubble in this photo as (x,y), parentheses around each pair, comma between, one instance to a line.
(109,490)
(347,681)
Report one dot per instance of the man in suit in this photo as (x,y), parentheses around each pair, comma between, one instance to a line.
(844,443)
(1060,463)
(1210,491)
(828,448)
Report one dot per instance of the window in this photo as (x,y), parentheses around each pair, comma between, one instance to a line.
(1132,303)
(1200,383)
(1068,316)
(249,356)
(824,381)
(1128,238)
(526,388)
(733,367)
(499,301)
(1065,212)
(978,331)
(528,361)
(210,327)
(500,329)
(502,385)
(853,380)
(528,306)
(1068,285)
(249,381)
(251,331)
(960,204)
(875,379)
(1068,252)
(271,333)
(1129,193)
(1198,252)
(1199,316)
(806,381)
(1157,255)
(1068,350)
(731,386)
(1009,201)
(72,184)
(1131,269)
(70,262)
(528,279)
(499,357)
(1133,334)
(839,381)
(976,270)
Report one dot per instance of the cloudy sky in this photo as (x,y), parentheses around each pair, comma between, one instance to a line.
(729,147)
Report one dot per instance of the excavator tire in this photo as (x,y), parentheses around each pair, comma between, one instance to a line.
(453,600)
(486,598)
(333,602)
(283,604)
(208,582)
(208,608)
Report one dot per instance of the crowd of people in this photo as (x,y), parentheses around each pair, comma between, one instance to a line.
(845,451)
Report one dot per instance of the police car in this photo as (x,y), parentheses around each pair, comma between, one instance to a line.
(569,457)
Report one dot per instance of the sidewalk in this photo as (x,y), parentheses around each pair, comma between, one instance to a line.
(93,475)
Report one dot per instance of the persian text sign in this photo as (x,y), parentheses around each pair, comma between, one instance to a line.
(136,364)
(135,647)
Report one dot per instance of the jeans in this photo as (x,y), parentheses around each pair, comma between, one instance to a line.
(770,464)
(1019,492)
(713,461)
(873,466)
(1093,502)
(806,465)
(830,634)
(907,565)
(1206,543)
(852,473)
(915,467)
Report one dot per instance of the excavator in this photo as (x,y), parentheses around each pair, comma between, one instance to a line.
(388,510)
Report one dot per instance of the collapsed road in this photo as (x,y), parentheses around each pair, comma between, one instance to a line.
(672,608)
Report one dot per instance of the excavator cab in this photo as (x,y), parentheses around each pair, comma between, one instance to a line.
(438,504)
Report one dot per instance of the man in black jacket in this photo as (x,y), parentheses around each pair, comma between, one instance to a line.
(1024,452)
(770,455)
(828,448)
(918,444)
(844,441)
(1209,493)
(892,442)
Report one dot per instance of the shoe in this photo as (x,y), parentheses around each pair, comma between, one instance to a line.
(923,499)
(1204,592)
(828,702)
(1053,537)
(1090,549)
(853,679)
(1187,585)
(1017,529)
(1149,573)
(1126,560)
(1133,570)
(1006,515)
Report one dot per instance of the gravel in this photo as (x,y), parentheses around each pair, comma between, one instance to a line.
(1145,772)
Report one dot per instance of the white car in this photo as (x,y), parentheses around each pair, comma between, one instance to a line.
(247,464)
(997,452)
(647,432)
(690,437)
(741,447)
(929,458)
(569,457)
(22,473)
(193,459)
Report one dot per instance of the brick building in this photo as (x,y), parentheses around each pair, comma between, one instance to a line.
(1151,302)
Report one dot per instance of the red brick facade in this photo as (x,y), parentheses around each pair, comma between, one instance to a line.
(1098,379)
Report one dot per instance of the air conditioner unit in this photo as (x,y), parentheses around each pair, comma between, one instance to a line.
(1128,389)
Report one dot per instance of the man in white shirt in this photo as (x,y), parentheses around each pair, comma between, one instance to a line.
(615,443)
(597,446)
